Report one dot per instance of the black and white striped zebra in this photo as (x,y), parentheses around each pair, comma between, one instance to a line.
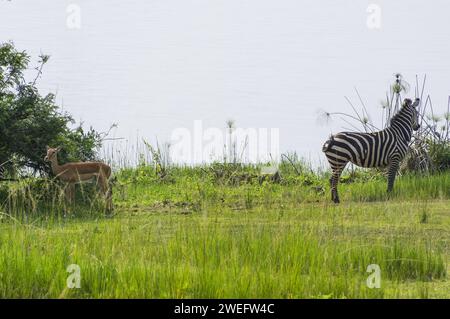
(3,169)
(378,149)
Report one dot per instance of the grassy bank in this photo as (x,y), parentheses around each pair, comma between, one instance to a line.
(194,236)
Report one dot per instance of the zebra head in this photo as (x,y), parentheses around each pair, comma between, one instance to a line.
(412,108)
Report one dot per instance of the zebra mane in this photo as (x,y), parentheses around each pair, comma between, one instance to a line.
(397,116)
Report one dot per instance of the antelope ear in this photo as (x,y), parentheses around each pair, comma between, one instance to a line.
(48,147)
(58,148)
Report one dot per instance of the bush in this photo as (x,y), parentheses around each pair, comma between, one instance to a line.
(29,121)
(440,155)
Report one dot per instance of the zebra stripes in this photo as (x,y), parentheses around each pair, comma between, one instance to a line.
(3,169)
(379,149)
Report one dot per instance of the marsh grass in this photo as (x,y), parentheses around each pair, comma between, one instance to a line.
(191,189)
(194,237)
(31,200)
(318,252)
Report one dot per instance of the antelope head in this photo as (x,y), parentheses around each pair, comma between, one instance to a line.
(51,153)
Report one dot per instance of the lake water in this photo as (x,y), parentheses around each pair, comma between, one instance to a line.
(156,66)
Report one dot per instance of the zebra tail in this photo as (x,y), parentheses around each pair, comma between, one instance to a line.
(328,144)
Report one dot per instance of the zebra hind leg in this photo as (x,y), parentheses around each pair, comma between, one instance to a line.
(334,181)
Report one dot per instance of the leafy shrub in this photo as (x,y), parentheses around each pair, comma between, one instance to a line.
(440,155)
(30,121)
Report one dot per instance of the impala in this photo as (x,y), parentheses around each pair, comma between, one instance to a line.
(78,172)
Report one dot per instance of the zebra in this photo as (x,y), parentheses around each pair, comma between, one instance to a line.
(385,148)
(3,169)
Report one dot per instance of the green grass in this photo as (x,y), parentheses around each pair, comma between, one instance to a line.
(194,238)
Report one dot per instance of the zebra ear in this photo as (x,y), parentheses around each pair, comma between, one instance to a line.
(416,102)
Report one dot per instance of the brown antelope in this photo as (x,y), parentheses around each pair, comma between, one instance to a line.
(78,172)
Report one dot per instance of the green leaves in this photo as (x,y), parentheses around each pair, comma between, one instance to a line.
(30,121)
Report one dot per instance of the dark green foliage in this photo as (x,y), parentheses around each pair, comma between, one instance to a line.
(440,155)
(30,121)
(233,174)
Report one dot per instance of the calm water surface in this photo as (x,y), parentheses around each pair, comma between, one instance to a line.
(154,66)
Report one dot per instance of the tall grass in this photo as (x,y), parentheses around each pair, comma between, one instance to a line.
(219,253)
(193,185)
(197,235)
(30,200)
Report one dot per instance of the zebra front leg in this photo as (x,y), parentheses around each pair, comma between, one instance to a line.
(334,181)
(392,171)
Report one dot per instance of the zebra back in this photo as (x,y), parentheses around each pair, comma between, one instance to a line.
(373,149)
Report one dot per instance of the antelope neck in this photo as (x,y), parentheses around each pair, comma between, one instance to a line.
(56,168)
